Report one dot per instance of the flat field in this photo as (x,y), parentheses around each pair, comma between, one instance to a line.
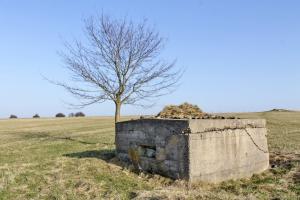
(73,158)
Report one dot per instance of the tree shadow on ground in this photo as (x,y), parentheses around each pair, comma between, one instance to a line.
(74,140)
(45,135)
(105,155)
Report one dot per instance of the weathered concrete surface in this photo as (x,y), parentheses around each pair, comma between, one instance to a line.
(136,139)
(195,150)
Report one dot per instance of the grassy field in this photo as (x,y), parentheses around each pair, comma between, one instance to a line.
(72,158)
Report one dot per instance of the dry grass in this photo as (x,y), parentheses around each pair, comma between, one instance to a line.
(72,158)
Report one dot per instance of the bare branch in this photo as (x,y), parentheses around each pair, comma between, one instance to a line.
(120,62)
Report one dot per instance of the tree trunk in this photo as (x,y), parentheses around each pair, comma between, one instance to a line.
(118,111)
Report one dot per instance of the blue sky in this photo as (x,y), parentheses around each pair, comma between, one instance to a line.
(240,55)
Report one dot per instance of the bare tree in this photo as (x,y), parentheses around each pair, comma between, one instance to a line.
(119,62)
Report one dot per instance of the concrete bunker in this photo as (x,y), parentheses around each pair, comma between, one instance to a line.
(210,150)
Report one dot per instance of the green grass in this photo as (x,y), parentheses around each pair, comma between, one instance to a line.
(72,158)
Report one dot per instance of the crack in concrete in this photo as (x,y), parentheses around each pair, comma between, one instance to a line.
(188,131)
(257,146)
(229,128)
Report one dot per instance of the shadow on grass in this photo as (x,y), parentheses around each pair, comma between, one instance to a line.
(74,140)
(45,135)
(108,156)
(105,155)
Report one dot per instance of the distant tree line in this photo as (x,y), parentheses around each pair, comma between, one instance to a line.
(77,114)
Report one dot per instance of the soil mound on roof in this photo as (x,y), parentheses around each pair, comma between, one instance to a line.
(187,111)
(183,111)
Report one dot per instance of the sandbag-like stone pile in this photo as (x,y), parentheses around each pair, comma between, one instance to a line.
(187,111)
(183,111)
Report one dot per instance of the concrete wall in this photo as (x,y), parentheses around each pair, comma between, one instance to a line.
(227,149)
(196,150)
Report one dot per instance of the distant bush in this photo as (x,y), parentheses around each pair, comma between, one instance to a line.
(71,115)
(13,117)
(60,115)
(79,114)
(36,116)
